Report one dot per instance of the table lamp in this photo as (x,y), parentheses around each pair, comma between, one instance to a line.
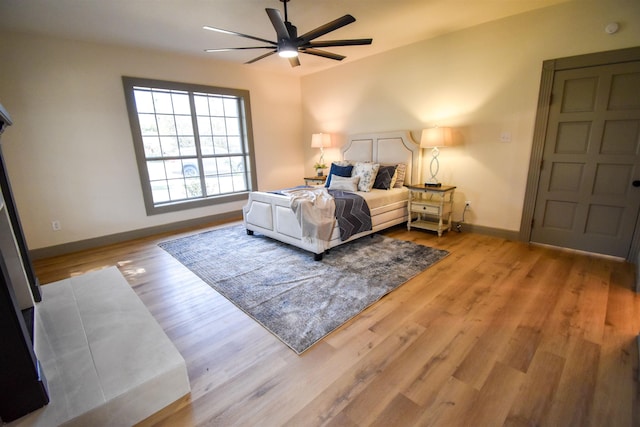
(434,138)
(321,140)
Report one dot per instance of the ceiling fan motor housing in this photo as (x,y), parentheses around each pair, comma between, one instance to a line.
(292,30)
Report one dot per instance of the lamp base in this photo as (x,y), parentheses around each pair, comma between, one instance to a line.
(434,167)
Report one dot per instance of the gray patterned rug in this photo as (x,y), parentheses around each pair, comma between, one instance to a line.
(296,298)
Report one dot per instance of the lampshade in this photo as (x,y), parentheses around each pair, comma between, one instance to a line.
(320,140)
(436,137)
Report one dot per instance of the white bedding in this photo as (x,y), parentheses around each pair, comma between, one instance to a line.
(377,198)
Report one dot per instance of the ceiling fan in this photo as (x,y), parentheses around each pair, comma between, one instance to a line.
(289,43)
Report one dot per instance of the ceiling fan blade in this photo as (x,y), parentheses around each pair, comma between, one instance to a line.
(233,33)
(327,28)
(260,57)
(227,49)
(278,23)
(333,43)
(323,53)
(295,61)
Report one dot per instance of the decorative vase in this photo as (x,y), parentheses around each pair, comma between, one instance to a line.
(319,171)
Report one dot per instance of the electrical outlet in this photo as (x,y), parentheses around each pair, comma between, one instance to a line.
(467,204)
(55,225)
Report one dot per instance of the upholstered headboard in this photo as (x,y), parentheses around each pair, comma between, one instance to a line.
(386,148)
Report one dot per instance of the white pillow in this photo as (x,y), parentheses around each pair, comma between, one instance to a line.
(367,173)
(344,183)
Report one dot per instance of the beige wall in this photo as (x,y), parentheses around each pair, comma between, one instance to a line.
(70,153)
(482,81)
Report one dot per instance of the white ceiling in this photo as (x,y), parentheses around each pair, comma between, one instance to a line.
(176,25)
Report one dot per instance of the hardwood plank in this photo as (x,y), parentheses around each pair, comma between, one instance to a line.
(577,386)
(498,333)
(333,400)
(508,305)
(524,341)
(434,374)
(368,404)
(454,399)
(612,404)
(399,412)
(538,390)
(495,397)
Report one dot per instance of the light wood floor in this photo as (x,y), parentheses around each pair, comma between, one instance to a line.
(498,333)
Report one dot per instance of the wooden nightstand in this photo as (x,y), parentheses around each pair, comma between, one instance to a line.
(314,180)
(433,207)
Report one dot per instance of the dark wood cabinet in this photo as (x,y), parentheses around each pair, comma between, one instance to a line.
(23,387)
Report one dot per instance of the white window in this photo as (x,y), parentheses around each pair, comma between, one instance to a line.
(193,143)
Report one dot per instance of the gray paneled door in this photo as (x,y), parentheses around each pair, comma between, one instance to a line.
(587,197)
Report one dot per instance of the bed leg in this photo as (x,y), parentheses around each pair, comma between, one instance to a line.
(249,232)
(318,257)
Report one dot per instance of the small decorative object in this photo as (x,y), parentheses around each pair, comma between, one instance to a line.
(433,138)
(320,167)
(320,140)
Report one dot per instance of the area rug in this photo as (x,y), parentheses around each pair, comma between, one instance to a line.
(298,299)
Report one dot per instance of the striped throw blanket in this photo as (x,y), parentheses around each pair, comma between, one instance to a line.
(352,213)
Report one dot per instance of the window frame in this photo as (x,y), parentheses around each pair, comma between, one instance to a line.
(246,136)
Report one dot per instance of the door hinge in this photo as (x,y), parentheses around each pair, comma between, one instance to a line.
(532,222)
(541,164)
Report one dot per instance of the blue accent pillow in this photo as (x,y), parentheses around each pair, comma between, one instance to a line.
(344,171)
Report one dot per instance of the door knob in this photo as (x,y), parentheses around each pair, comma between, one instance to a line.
(636,183)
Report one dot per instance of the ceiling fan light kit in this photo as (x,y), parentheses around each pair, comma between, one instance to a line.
(288,44)
(287,50)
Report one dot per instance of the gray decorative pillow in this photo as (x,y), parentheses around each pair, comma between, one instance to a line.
(367,173)
(384,177)
(344,183)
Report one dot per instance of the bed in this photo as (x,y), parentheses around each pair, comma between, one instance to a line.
(271,214)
